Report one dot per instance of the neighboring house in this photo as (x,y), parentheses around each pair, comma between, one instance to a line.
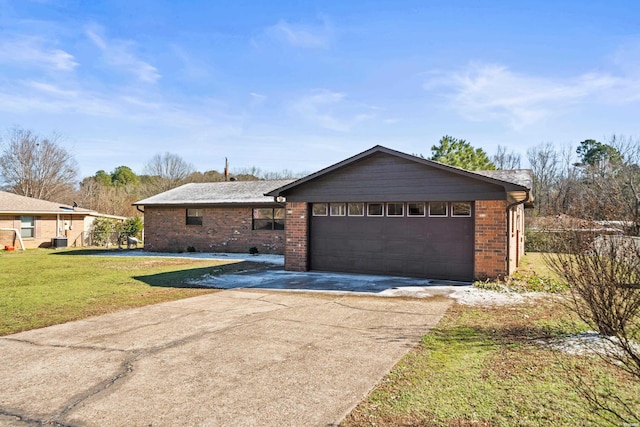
(39,222)
(379,212)
(229,216)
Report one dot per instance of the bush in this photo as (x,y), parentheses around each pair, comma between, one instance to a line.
(132,227)
(102,231)
(603,274)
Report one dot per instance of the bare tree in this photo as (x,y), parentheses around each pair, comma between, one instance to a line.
(504,160)
(603,274)
(608,182)
(255,173)
(544,161)
(33,166)
(167,171)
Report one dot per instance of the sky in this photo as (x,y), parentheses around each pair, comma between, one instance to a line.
(303,85)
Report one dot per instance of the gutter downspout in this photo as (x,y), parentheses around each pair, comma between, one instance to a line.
(525,200)
(138,209)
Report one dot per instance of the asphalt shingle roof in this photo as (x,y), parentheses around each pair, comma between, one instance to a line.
(211,193)
(15,204)
(522,177)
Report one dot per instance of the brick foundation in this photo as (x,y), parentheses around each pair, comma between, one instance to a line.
(297,235)
(223,229)
(490,239)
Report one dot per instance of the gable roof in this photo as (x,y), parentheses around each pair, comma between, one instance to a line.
(15,204)
(512,180)
(217,193)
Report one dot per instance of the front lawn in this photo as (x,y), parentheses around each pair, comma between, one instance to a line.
(42,287)
(489,366)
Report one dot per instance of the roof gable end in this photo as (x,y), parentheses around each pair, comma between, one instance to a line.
(503,180)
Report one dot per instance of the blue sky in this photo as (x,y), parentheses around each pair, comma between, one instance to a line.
(302,85)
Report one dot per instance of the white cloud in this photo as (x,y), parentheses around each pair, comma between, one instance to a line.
(257,99)
(484,92)
(119,54)
(330,110)
(32,51)
(300,35)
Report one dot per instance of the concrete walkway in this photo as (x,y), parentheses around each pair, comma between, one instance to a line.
(235,357)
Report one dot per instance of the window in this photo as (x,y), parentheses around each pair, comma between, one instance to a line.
(461,209)
(374,209)
(268,219)
(355,209)
(27,226)
(415,209)
(319,209)
(438,209)
(337,209)
(395,209)
(194,216)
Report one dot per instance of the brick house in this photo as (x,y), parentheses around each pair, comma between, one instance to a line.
(379,212)
(215,217)
(39,222)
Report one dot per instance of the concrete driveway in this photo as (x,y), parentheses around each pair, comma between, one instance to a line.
(236,357)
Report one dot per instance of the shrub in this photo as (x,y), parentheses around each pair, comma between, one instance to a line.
(131,227)
(603,275)
(102,231)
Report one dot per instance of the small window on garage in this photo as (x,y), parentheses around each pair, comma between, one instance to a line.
(460,209)
(27,226)
(194,216)
(374,209)
(319,209)
(438,209)
(338,209)
(355,209)
(268,219)
(395,209)
(415,209)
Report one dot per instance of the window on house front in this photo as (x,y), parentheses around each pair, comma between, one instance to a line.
(268,219)
(320,209)
(355,209)
(460,209)
(438,209)
(395,209)
(338,209)
(415,209)
(374,209)
(27,226)
(194,216)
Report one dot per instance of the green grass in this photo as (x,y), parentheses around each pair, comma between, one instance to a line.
(43,287)
(533,275)
(486,366)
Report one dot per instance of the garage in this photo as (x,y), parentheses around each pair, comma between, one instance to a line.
(387,212)
(415,239)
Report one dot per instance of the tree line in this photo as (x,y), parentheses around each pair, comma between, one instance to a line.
(592,180)
(36,166)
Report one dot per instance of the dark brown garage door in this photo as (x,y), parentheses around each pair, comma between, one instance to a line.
(419,246)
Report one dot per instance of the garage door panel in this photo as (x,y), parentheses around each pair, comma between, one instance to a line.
(408,246)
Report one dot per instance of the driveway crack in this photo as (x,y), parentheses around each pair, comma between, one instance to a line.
(25,419)
(65,346)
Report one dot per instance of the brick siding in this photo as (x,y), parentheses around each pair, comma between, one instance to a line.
(297,235)
(223,229)
(490,239)
(46,229)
